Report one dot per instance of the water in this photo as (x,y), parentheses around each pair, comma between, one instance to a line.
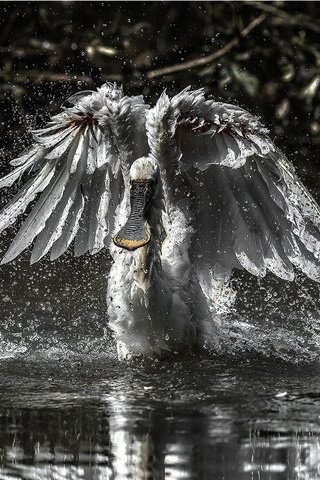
(195,418)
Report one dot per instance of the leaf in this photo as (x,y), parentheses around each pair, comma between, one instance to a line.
(247,80)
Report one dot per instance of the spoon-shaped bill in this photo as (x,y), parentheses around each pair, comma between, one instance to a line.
(136,232)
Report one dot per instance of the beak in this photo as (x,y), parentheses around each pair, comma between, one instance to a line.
(136,231)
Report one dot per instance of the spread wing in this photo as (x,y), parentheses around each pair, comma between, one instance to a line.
(250,210)
(77,164)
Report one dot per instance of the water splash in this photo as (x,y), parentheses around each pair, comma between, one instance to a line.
(59,309)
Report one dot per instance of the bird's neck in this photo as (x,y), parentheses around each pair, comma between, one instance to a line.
(147,260)
(144,265)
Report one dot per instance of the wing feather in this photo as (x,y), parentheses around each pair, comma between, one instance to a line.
(29,153)
(53,230)
(57,218)
(70,228)
(98,224)
(46,204)
(16,174)
(24,197)
(250,210)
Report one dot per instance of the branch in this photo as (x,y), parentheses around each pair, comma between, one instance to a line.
(179,67)
(300,20)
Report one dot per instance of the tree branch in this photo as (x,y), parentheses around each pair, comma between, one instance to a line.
(179,67)
(300,20)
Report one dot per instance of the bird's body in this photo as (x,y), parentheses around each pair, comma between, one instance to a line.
(180,194)
(151,297)
(155,302)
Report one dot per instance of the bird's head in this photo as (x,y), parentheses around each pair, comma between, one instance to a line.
(144,182)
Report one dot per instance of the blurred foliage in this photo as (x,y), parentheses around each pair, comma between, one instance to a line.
(51,49)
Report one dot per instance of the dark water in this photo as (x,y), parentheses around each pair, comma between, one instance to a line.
(195,418)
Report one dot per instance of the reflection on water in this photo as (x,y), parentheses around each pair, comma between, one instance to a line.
(190,419)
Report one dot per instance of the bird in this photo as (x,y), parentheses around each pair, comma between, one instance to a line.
(181,194)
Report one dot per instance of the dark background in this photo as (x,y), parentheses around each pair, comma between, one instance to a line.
(264,56)
(51,49)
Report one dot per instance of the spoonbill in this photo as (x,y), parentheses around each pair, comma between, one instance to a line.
(181,194)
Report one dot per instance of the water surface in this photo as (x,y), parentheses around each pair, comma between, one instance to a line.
(192,418)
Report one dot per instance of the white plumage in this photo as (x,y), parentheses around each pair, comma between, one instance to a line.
(205,189)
